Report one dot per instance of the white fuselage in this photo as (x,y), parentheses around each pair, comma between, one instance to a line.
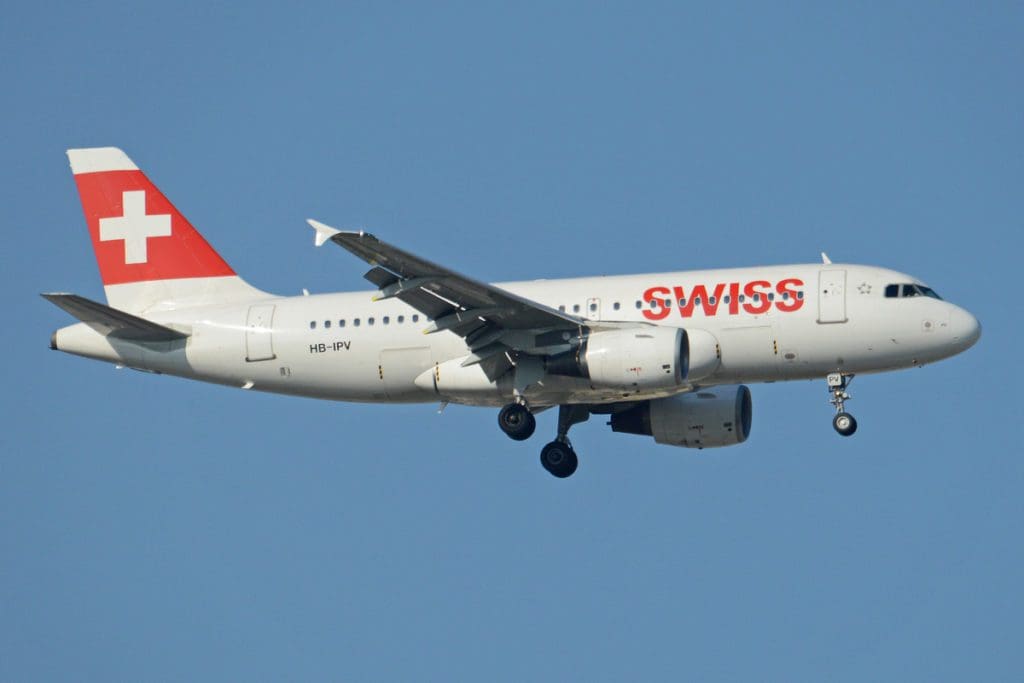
(348,347)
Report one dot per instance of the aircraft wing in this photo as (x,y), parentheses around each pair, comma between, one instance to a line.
(482,314)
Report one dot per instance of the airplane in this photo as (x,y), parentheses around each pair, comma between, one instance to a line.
(664,355)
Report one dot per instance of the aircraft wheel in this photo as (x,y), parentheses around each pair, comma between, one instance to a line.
(845,424)
(559,459)
(517,421)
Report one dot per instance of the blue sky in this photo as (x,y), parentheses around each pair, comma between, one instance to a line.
(155,529)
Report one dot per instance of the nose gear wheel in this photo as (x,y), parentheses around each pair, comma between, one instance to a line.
(844,423)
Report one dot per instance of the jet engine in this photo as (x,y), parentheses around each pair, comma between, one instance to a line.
(642,358)
(716,416)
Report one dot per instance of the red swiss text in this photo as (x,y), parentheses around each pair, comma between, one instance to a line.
(755,297)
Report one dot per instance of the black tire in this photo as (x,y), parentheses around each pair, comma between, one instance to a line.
(559,459)
(845,424)
(517,422)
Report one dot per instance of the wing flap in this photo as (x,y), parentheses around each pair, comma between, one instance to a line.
(427,303)
(381,277)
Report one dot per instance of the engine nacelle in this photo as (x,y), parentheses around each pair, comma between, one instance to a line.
(716,416)
(641,358)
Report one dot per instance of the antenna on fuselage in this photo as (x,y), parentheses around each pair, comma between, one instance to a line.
(825,259)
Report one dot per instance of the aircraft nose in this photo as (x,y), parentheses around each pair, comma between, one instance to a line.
(965,327)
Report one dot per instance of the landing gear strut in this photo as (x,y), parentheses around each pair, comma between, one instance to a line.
(517,421)
(558,457)
(843,422)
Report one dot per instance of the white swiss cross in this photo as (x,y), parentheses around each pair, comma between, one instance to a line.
(134,226)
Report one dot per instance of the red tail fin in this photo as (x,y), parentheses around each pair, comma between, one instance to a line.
(150,256)
(136,232)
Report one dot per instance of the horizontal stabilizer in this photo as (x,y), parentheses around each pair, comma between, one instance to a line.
(111,322)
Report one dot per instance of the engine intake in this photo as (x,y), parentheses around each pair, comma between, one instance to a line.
(709,418)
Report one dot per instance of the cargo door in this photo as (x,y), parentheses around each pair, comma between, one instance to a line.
(400,367)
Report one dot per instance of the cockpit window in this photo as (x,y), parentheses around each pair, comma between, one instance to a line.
(906,291)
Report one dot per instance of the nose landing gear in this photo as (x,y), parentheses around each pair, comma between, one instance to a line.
(843,422)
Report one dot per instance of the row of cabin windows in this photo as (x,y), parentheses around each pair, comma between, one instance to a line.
(356,322)
(655,303)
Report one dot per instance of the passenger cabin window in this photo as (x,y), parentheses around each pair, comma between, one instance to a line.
(356,322)
(401,319)
(575,308)
(616,305)
(415,317)
(327,324)
(341,323)
(312,324)
(387,320)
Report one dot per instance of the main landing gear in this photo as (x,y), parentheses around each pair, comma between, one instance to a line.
(558,457)
(517,421)
(843,422)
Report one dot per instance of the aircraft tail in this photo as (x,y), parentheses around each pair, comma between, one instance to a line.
(150,257)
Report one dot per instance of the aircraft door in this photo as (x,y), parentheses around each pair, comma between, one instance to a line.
(832,296)
(258,333)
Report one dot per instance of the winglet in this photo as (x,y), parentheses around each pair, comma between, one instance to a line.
(825,259)
(323,232)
